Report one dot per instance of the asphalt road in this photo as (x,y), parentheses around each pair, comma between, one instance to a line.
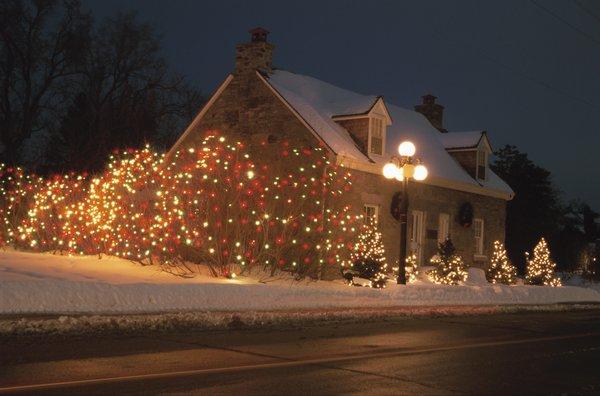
(526,353)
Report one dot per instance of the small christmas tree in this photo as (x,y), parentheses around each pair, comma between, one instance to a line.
(367,258)
(412,270)
(449,267)
(501,270)
(540,269)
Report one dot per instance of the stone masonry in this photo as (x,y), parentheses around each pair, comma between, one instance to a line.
(248,109)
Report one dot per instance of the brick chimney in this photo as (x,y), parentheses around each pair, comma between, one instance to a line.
(257,54)
(433,111)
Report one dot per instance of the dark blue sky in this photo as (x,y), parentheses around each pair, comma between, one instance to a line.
(509,67)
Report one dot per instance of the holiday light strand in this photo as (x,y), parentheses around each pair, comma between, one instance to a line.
(500,269)
(540,268)
(449,268)
(208,204)
(367,257)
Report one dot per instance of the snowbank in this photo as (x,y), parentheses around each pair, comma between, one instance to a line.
(45,283)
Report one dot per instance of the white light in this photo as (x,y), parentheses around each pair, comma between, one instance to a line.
(406,149)
(250,174)
(399,174)
(420,172)
(389,170)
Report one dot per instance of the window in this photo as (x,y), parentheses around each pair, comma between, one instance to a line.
(481,163)
(444,227)
(376,136)
(478,227)
(416,236)
(371,214)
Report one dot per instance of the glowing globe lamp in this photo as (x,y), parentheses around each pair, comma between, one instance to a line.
(407,149)
(389,170)
(420,172)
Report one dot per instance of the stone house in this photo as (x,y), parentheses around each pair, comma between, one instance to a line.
(362,132)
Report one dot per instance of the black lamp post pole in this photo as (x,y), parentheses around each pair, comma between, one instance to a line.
(403,230)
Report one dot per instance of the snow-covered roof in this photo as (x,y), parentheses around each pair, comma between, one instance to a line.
(461,140)
(317,101)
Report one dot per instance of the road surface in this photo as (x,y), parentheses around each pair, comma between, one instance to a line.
(524,353)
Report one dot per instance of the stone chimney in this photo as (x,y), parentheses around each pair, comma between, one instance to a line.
(255,55)
(433,111)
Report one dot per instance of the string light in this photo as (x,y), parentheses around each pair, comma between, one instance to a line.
(367,257)
(411,268)
(209,204)
(540,269)
(501,270)
(449,269)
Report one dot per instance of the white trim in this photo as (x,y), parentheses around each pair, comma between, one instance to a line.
(383,135)
(416,234)
(482,138)
(349,117)
(291,108)
(431,180)
(376,211)
(479,245)
(379,101)
(485,162)
(200,114)
(443,222)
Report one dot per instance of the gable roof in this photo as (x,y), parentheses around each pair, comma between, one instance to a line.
(316,102)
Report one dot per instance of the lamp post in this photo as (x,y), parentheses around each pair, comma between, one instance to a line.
(402,168)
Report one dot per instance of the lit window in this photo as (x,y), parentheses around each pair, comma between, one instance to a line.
(371,214)
(376,135)
(478,227)
(444,227)
(481,163)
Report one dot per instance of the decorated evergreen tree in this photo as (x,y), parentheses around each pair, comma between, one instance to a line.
(540,269)
(501,270)
(367,258)
(449,267)
(412,270)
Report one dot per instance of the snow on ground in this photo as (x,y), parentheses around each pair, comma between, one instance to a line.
(32,283)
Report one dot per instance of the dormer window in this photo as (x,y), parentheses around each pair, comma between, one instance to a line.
(367,128)
(481,163)
(376,135)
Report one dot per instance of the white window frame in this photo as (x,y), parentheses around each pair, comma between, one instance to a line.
(383,134)
(375,213)
(481,151)
(443,227)
(479,239)
(416,234)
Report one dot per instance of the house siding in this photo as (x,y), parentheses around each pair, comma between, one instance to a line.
(467,159)
(248,109)
(359,130)
(432,200)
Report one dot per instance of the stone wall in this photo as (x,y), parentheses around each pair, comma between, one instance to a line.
(467,159)
(432,200)
(248,109)
(252,56)
(359,130)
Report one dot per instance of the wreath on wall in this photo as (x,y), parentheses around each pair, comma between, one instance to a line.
(465,215)
(395,206)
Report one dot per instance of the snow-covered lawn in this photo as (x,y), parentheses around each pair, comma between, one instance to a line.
(46,283)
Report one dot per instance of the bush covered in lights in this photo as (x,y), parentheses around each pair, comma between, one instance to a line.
(449,268)
(367,258)
(540,268)
(211,204)
(500,269)
(411,268)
